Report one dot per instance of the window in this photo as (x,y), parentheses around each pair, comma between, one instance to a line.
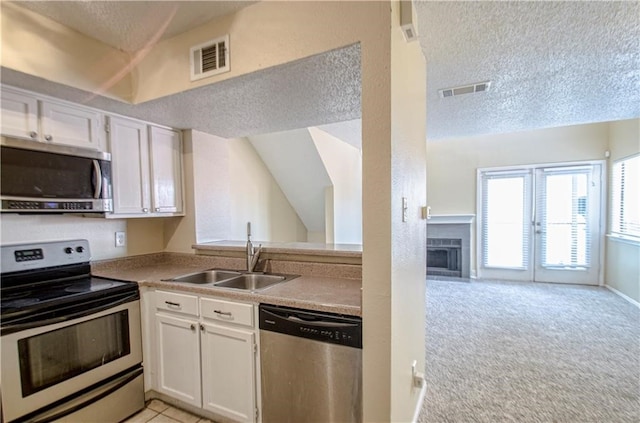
(625,201)
(505,219)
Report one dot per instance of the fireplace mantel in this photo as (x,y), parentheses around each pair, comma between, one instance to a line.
(450,219)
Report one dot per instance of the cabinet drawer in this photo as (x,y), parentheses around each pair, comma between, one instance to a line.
(180,303)
(226,311)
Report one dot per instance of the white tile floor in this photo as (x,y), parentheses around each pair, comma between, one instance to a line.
(157,411)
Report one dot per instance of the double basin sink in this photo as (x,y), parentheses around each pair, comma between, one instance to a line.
(246,281)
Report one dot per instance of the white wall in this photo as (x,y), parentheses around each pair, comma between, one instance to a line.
(256,197)
(17,229)
(226,186)
(294,162)
(623,258)
(343,163)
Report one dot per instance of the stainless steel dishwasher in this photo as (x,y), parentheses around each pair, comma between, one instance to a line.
(311,366)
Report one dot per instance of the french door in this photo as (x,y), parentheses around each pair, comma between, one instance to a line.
(541,223)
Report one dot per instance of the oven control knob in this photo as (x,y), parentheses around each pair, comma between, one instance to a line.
(80,249)
(68,250)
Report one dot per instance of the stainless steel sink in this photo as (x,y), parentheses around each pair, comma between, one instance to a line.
(252,281)
(233,279)
(207,276)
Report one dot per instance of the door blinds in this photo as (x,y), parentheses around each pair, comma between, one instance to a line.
(506,219)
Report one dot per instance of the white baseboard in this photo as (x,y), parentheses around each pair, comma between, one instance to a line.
(416,413)
(626,297)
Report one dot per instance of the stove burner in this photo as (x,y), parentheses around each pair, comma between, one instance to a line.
(88,288)
(19,302)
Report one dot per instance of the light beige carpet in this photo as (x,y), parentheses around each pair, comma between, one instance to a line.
(529,352)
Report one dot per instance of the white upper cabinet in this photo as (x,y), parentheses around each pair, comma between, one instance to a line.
(147,169)
(19,115)
(44,119)
(165,147)
(129,144)
(67,124)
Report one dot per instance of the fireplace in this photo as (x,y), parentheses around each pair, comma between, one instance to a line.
(444,257)
(449,240)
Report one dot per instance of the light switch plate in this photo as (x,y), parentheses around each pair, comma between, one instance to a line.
(404,209)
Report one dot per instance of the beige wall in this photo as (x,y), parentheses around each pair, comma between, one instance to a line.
(262,35)
(257,198)
(408,175)
(452,163)
(343,200)
(622,257)
(42,47)
(393,149)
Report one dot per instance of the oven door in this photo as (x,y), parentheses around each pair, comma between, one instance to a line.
(46,364)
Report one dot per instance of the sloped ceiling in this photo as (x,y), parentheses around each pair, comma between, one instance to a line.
(130,25)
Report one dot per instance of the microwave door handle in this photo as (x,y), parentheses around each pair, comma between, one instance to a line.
(97,179)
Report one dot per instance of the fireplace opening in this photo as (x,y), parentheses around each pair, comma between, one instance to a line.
(444,257)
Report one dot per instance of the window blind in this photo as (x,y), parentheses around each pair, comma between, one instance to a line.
(505,219)
(563,218)
(625,200)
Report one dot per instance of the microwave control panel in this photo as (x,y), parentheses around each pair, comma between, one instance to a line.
(46,205)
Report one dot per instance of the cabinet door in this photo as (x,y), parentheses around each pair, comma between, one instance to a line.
(77,126)
(178,355)
(228,372)
(129,147)
(166,170)
(19,115)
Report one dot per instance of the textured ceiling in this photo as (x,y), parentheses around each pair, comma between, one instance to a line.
(550,63)
(131,25)
(314,91)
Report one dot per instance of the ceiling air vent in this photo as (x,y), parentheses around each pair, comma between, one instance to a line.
(478,87)
(210,58)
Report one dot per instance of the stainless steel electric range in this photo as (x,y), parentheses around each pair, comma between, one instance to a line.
(71,343)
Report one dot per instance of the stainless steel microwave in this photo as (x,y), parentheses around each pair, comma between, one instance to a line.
(46,178)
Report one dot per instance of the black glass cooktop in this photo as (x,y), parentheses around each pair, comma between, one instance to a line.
(38,295)
(28,302)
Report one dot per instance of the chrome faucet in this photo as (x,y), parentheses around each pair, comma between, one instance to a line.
(252,254)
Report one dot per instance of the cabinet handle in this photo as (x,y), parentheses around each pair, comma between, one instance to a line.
(157,209)
(48,137)
(170,304)
(193,326)
(33,134)
(145,210)
(201,327)
(222,313)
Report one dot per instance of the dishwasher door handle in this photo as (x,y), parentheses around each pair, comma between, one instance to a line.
(321,323)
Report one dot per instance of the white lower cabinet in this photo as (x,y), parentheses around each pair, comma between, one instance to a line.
(179,358)
(228,372)
(206,352)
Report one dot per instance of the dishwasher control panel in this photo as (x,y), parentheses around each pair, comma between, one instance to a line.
(319,326)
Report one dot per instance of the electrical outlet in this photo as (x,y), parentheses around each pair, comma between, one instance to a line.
(121,239)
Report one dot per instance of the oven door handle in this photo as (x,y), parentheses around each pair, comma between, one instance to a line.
(90,398)
(40,323)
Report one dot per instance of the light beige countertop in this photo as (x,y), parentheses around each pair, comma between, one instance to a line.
(313,292)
